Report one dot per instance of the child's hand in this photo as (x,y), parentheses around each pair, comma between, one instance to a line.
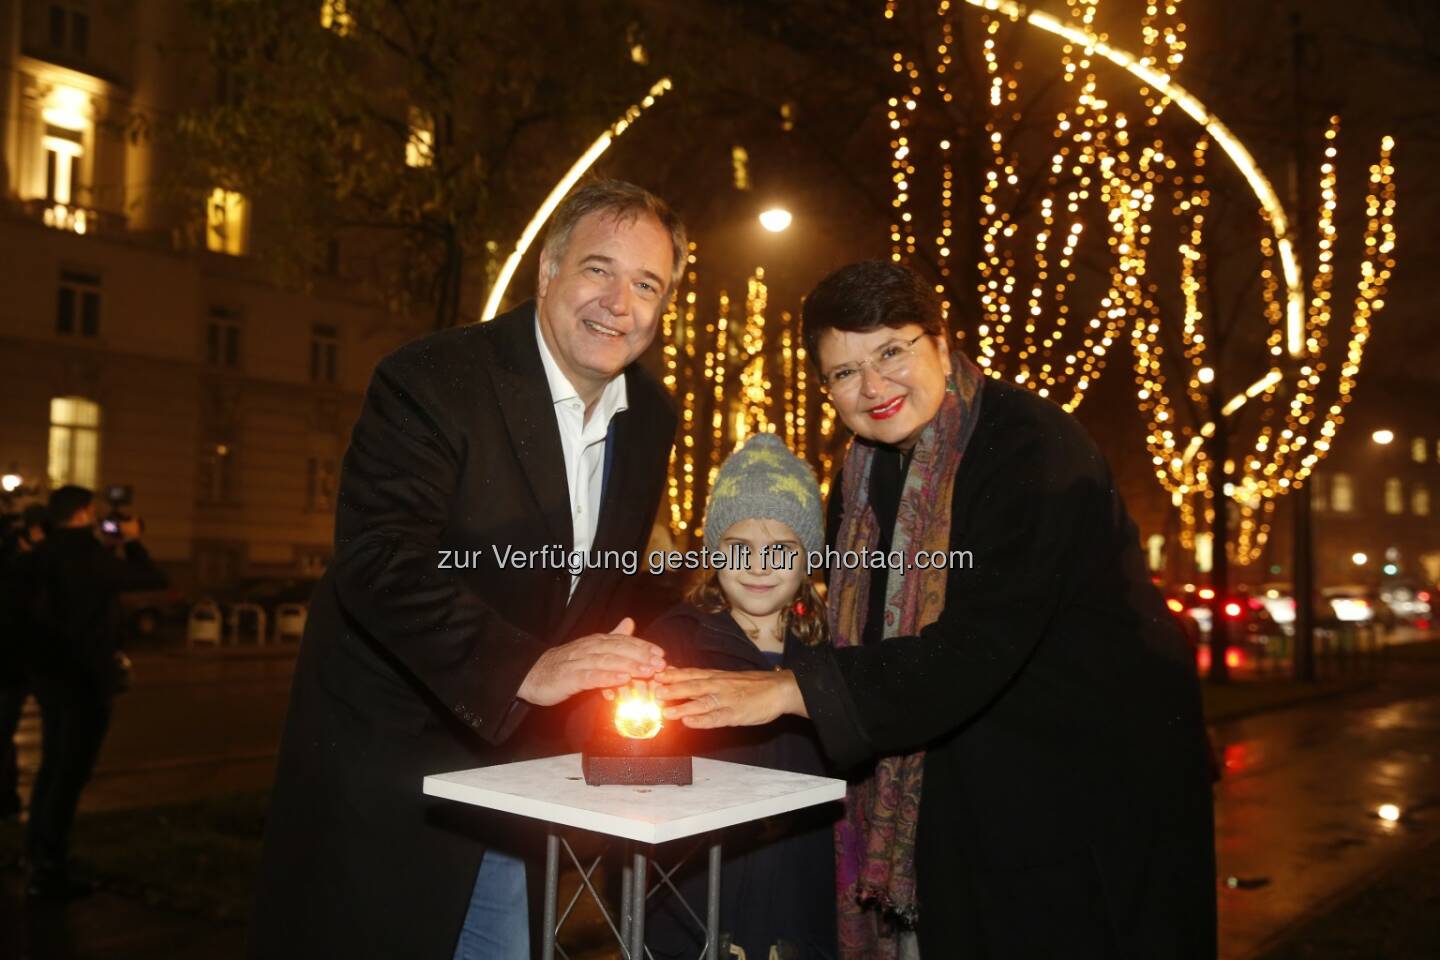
(729,698)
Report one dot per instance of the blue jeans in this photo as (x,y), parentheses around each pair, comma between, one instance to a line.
(497,924)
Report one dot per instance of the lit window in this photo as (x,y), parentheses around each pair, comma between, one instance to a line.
(1204,552)
(226,218)
(1419,448)
(1420,500)
(335,16)
(74,442)
(217,472)
(1394,495)
(1342,493)
(324,345)
(1318,499)
(420,148)
(77,303)
(320,483)
(67,122)
(222,338)
(635,40)
(1155,547)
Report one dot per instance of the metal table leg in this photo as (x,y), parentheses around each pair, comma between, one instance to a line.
(639,862)
(627,892)
(712,904)
(552,891)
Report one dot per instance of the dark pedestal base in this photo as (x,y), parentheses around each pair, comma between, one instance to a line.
(611,758)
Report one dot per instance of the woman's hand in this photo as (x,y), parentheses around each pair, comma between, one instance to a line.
(728,698)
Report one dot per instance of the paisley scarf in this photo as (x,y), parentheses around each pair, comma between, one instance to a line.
(875,842)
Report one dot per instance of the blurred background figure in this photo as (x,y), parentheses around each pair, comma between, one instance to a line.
(20,541)
(73,581)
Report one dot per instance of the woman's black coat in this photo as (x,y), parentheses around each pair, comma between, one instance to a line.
(1066,806)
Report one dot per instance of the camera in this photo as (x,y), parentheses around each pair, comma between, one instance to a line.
(117,495)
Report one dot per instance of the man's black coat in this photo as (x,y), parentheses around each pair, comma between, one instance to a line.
(407,669)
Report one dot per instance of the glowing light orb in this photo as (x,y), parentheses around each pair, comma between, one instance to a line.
(637,717)
(775,219)
(1383,437)
(1389,813)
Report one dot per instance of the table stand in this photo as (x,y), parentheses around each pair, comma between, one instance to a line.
(552,789)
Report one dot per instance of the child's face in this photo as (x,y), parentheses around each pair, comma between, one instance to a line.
(771,579)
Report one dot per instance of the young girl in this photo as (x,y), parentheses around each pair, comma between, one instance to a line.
(778,886)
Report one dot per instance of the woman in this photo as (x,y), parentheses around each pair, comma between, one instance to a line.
(1022,727)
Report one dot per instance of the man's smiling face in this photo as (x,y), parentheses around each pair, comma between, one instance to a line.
(600,305)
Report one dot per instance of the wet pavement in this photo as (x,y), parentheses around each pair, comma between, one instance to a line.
(1296,812)
(192,726)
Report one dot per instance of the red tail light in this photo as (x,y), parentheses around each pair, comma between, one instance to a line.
(1202,659)
(1233,659)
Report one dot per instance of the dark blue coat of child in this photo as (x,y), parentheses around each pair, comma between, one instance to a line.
(778,874)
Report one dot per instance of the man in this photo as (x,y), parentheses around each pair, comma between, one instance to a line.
(423,652)
(14,687)
(74,617)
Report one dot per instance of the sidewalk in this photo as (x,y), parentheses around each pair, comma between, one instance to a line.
(1396,917)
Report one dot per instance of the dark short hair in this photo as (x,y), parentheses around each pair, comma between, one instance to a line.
(34,516)
(66,502)
(867,296)
(621,200)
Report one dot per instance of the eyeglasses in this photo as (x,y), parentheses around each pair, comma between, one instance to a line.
(892,360)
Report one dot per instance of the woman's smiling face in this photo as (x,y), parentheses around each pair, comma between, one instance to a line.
(887,408)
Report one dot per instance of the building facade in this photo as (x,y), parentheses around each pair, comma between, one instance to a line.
(141,343)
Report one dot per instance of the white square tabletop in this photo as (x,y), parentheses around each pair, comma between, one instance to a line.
(553,789)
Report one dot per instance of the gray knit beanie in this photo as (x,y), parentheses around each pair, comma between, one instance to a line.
(764,480)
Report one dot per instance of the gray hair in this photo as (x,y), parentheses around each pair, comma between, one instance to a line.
(620,200)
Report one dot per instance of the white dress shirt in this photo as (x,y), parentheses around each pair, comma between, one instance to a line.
(583,443)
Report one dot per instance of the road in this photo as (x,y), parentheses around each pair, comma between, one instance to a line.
(191,726)
(1295,812)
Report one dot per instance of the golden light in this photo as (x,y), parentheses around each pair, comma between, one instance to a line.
(10,482)
(1383,437)
(1359,559)
(1205,375)
(1388,812)
(1234,149)
(637,716)
(557,193)
(65,108)
(776,219)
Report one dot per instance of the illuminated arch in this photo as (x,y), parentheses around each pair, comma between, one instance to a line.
(557,193)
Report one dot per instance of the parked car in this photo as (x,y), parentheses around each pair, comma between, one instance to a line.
(1251,627)
(1409,602)
(146,611)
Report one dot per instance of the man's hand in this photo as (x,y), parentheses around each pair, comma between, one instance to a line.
(592,662)
(729,698)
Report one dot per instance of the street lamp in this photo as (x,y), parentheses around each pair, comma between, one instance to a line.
(11,482)
(1383,437)
(776,219)
(1359,559)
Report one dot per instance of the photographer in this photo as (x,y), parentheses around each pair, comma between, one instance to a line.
(18,545)
(73,665)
